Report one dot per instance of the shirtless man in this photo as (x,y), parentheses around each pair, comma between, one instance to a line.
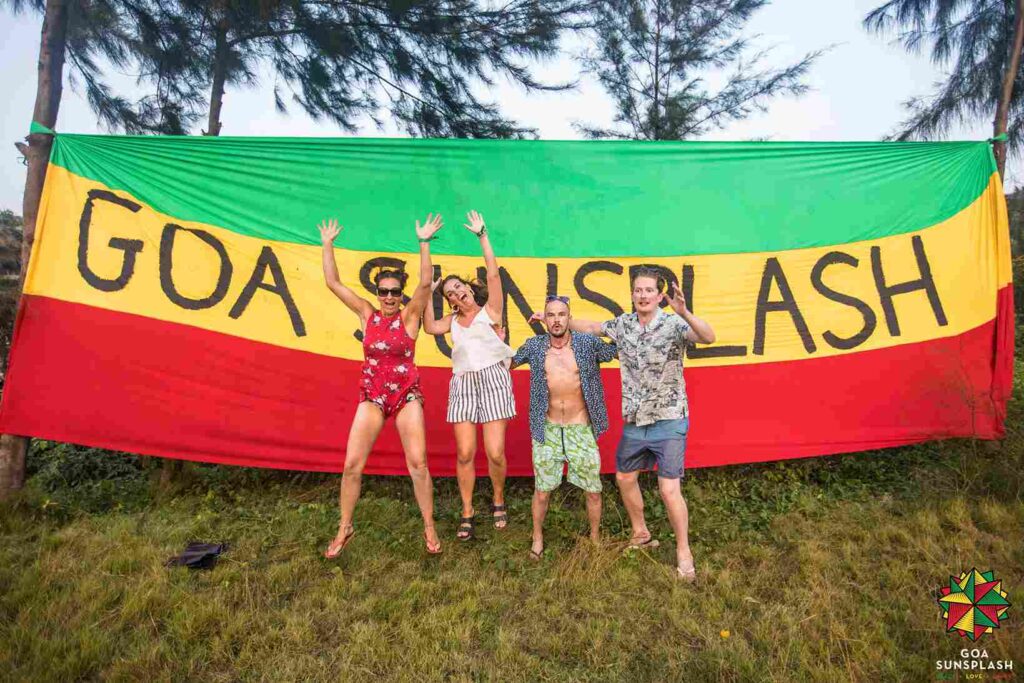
(567,413)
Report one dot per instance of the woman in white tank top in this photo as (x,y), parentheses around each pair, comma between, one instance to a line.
(480,391)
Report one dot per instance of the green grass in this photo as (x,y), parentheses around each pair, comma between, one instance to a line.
(821,569)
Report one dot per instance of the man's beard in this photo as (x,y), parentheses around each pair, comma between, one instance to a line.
(559,335)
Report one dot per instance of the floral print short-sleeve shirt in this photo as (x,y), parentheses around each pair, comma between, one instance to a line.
(651,360)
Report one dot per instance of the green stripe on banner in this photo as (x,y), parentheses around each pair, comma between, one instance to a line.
(596,199)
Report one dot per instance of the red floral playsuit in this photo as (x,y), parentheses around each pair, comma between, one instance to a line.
(390,378)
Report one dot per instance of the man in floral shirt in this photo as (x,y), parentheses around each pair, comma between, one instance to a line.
(567,413)
(654,406)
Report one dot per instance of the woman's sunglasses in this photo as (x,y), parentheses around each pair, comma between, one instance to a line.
(397,291)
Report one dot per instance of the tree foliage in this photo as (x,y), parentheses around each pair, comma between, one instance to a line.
(419,62)
(106,34)
(654,58)
(973,40)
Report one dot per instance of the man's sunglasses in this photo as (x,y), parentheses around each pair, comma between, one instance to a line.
(397,291)
(556,297)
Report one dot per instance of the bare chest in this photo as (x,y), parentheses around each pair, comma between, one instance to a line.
(561,368)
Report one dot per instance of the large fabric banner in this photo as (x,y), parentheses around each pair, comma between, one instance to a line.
(175,304)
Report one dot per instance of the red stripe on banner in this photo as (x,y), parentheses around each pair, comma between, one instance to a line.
(114,380)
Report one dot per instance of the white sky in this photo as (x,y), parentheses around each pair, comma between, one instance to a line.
(856,90)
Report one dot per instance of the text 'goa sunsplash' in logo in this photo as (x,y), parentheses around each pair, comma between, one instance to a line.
(973,603)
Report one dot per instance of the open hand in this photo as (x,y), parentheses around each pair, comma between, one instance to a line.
(329,229)
(475,224)
(674,297)
(431,225)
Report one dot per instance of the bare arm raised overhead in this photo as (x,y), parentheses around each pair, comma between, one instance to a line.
(329,229)
(495,296)
(432,325)
(421,295)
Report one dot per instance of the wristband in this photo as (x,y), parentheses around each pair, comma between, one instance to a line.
(483,231)
(427,239)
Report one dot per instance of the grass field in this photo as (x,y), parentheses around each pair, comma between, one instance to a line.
(823,569)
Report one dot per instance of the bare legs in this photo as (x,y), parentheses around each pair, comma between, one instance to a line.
(594,515)
(494,446)
(678,516)
(541,500)
(366,427)
(465,470)
(634,502)
(465,451)
(539,507)
(675,506)
(412,432)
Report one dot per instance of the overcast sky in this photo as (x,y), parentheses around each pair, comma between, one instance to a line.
(856,90)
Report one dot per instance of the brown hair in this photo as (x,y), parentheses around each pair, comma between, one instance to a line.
(399,275)
(479,288)
(653,273)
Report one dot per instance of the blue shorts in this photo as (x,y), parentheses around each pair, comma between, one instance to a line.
(662,443)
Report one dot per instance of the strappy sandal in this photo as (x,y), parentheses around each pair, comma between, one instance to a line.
(500,514)
(466,530)
(336,546)
(437,550)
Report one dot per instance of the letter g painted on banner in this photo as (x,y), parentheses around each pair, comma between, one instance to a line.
(131,248)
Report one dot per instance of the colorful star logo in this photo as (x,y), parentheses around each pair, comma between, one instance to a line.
(973,604)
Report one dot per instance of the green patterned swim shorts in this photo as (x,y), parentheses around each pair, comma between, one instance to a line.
(573,444)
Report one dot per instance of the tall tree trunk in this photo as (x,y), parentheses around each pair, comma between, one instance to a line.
(48,93)
(1009,78)
(220,70)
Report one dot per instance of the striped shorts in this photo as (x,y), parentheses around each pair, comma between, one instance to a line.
(481,396)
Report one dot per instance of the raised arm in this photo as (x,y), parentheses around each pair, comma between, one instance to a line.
(432,325)
(700,331)
(588,326)
(358,305)
(421,296)
(495,295)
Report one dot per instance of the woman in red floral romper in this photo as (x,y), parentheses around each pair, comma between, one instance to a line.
(389,384)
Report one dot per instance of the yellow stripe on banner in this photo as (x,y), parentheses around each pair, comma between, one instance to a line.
(936,282)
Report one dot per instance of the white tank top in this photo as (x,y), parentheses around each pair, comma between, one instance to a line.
(477,347)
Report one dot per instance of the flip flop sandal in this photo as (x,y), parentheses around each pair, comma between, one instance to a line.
(426,541)
(466,530)
(500,516)
(338,547)
(687,575)
(536,557)
(651,542)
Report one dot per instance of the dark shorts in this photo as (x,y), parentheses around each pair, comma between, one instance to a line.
(662,443)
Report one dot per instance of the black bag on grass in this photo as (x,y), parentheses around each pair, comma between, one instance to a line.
(198,556)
